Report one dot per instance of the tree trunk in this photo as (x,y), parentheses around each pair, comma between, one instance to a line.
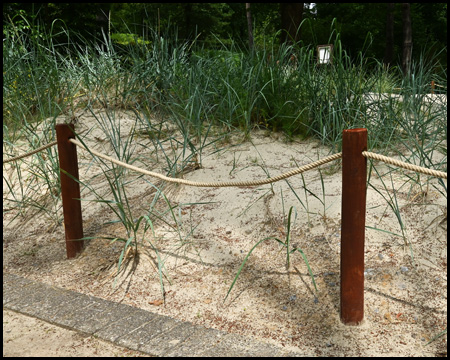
(407,39)
(188,11)
(389,51)
(250,26)
(291,18)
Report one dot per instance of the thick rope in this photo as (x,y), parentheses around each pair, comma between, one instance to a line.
(30,153)
(404,165)
(297,171)
(214,184)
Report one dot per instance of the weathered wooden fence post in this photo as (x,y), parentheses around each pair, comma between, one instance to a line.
(70,189)
(354,175)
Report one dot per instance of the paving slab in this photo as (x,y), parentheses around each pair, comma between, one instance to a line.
(25,336)
(126,326)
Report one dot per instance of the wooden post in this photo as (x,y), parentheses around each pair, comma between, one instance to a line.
(70,189)
(354,175)
(432,86)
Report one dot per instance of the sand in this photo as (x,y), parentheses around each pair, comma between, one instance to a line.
(30,337)
(405,300)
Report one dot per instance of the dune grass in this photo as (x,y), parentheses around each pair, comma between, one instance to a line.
(203,95)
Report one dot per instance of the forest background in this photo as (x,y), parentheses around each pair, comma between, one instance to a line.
(213,24)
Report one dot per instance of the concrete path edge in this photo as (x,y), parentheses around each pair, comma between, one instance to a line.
(127,326)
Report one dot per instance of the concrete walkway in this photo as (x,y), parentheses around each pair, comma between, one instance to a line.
(126,326)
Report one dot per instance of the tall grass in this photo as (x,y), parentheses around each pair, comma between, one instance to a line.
(278,87)
(204,94)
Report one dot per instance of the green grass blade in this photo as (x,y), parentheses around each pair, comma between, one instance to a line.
(308,266)
(245,260)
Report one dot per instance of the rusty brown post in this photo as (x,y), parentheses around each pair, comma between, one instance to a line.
(433,85)
(354,175)
(70,189)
